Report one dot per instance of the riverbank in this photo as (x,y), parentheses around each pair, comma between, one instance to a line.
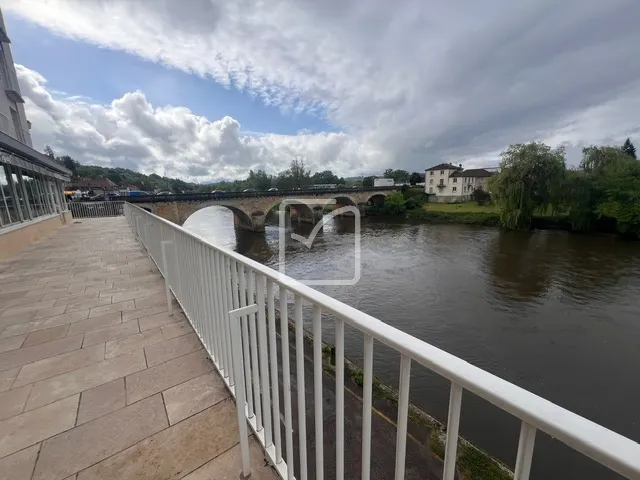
(425,431)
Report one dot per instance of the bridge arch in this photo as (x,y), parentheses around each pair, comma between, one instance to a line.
(376,199)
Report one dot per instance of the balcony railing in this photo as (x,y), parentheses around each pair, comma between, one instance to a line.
(96,209)
(230,302)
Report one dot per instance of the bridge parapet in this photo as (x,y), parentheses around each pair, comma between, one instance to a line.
(250,209)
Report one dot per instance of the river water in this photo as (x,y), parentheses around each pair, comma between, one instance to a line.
(554,313)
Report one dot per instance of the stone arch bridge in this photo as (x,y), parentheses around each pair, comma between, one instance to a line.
(250,209)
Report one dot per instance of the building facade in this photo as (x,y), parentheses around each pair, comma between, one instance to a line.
(31,184)
(451,183)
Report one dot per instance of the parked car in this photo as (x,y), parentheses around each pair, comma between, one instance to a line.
(249,190)
(273,189)
(164,193)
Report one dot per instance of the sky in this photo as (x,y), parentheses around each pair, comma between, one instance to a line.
(206,90)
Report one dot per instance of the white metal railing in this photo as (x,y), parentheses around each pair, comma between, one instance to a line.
(96,209)
(216,289)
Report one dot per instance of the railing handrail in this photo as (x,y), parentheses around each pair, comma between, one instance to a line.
(595,441)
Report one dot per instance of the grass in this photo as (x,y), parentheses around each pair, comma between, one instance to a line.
(468,207)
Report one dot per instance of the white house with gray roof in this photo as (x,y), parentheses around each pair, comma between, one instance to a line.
(451,183)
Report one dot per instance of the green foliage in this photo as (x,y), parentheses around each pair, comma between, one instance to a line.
(629,149)
(618,192)
(367,181)
(259,180)
(399,176)
(394,203)
(416,177)
(531,179)
(480,196)
(326,177)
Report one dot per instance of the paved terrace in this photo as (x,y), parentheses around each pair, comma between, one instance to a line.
(97,381)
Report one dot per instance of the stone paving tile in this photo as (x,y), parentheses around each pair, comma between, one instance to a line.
(70,317)
(228,465)
(111,333)
(7,377)
(169,454)
(49,312)
(100,400)
(84,304)
(133,294)
(109,292)
(87,444)
(22,300)
(133,342)
(176,347)
(143,312)
(32,427)
(96,323)
(22,356)
(46,335)
(12,401)
(160,319)
(19,466)
(113,307)
(176,330)
(161,377)
(11,343)
(193,396)
(66,362)
(76,381)
(31,307)
(157,299)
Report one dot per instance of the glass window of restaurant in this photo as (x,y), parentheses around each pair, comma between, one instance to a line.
(26,194)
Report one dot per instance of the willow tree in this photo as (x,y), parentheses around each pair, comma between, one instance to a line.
(530,179)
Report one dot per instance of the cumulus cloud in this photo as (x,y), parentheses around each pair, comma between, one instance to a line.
(130,132)
(420,81)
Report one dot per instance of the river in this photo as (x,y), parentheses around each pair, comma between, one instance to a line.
(555,313)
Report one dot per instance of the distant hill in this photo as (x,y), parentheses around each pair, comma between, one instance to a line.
(123,177)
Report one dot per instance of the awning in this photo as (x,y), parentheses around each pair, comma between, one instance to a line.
(19,155)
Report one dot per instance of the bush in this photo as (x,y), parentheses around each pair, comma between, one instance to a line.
(394,203)
(480,196)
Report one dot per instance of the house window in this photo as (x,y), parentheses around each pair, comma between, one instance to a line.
(431,173)
(441,182)
(441,172)
(454,189)
(431,181)
(455,180)
(430,189)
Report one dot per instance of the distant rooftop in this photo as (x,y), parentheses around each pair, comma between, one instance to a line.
(472,172)
(444,166)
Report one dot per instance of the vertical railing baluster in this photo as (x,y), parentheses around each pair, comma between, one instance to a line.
(525,451)
(215,325)
(221,309)
(245,342)
(264,361)
(234,284)
(286,380)
(228,307)
(253,340)
(403,414)
(339,399)
(453,424)
(317,389)
(366,406)
(301,387)
(206,300)
(273,362)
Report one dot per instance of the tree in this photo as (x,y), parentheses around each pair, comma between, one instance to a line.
(48,151)
(416,177)
(69,163)
(531,178)
(480,196)
(629,149)
(259,180)
(367,181)
(324,178)
(399,176)
(595,159)
(394,203)
(301,177)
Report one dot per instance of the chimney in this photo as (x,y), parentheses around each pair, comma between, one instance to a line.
(460,165)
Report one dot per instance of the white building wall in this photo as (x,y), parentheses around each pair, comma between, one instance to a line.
(8,73)
(433,178)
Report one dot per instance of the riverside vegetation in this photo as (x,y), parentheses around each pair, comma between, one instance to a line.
(535,188)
